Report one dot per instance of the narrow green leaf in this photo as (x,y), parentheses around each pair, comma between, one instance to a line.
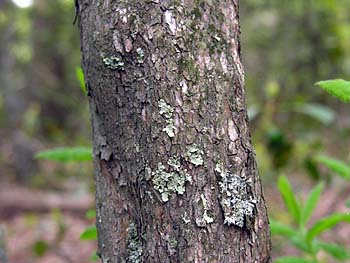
(89,233)
(278,228)
(318,112)
(336,251)
(294,260)
(66,154)
(80,76)
(337,87)
(311,203)
(90,214)
(289,198)
(300,243)
(325,224)
(94,257)
(334,165)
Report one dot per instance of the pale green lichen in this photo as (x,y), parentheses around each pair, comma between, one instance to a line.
(206,217)
(170,128)
(218,167)
(134,245)
(140,55)
(114,63)
(185,218)
(175,163)
(167,111)
(194,155)
(171,180)
(148,173)
(173,242)
(236,200)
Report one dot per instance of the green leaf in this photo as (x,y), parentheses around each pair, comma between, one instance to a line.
(299,242)
(311,203)
(347,202)
(337,87)
(326,223)
(90,214)
(289,198)
(89,233)
(318,112)
(334,165)
(278,228)
(334,250)
(66,154)
(94,257)
(80,76)
(294,260)
(40,248)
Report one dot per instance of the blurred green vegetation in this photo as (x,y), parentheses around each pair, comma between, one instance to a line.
(287,46)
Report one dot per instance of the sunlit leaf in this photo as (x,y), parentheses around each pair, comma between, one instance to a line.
(94,257)
(337,87)
(294,260)
(326,223)
(91,214)
(289,198)
(89,233)
(278,228)
(336,251)
(80,76)
(66,154)
(311,203)
(335,165)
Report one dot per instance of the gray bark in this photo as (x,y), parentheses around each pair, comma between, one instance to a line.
(175,172)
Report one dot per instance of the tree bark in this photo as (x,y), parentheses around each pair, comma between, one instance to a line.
(175,172)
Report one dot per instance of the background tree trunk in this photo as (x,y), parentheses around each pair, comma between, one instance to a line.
(176,178)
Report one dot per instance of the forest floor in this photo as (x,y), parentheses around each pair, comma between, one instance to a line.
(45,227)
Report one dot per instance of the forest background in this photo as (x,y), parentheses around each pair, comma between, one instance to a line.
(287,46)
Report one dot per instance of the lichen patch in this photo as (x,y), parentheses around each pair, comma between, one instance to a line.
(114,63)
(171,21)
(171,180)
(206,217)
(236,199)
(167,111)
(134,245)
(195,155)
(140,55)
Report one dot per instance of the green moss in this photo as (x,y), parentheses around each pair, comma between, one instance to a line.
(217,43)
(188,66)
(197,12)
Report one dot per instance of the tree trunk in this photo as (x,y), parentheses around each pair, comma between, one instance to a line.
(175,172)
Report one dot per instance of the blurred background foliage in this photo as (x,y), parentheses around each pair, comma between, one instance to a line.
(287,46)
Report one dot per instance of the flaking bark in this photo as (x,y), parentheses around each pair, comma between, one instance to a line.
(175,172)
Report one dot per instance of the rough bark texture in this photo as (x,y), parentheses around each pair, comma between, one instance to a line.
(176,179)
